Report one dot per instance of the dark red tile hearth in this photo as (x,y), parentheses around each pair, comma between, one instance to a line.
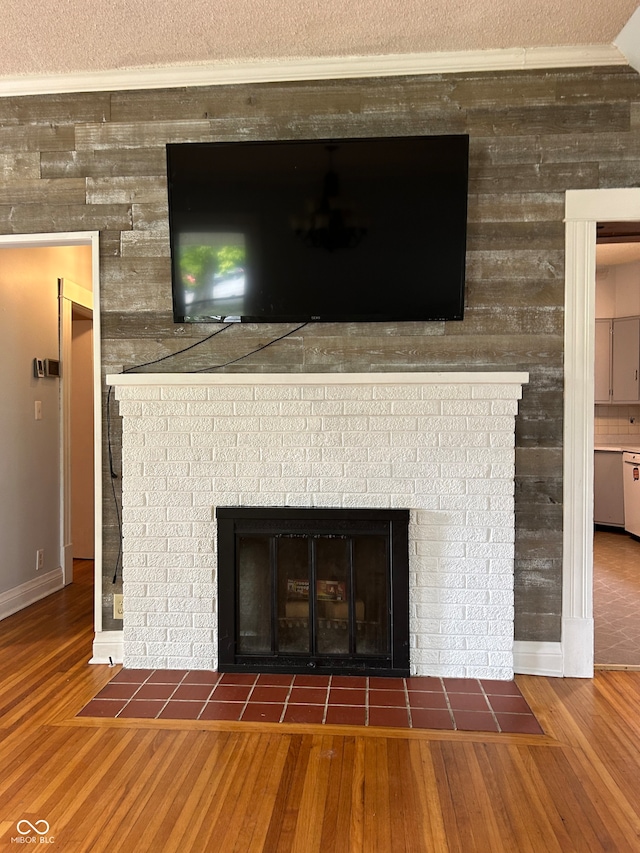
(257,712)
(308,695)
(192,692)
(222,711)
(269,694)
(155,691)
(430,700)
(462,685)
(346,715)
(390,717)
(388,698)
(348,681)
(423,682)
(274,679)
(377,683)
(475,721)
(344,696)
(431,718)
(519,724)
(167,676)
(142,709)
(510,704)
(311,680)
(231,693)
(419,702)
(500,688)
(468,702)
(175,710)
(202,676)
(304,714)
(108,708)
(121,690)
(137,676)
(237,678)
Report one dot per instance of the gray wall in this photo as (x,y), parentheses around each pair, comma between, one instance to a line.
(97,162)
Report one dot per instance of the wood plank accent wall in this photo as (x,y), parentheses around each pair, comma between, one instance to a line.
(96,161)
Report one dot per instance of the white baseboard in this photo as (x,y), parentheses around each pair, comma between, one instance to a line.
(28,593)
(530,658)
(578,647)
(108,647)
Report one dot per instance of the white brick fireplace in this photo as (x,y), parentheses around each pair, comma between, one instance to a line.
(438,444)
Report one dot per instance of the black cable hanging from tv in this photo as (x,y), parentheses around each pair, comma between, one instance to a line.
(252,352)
(179,352)
(112,471)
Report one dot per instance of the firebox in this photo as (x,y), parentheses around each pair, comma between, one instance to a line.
(313,590)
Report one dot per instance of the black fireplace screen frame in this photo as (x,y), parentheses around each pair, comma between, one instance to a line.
(274,522)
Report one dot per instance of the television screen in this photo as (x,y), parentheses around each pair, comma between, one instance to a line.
(324,230)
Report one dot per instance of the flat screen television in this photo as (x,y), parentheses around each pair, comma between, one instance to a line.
(329,230)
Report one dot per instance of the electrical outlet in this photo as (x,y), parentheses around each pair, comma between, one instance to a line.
(117,606)
(39,559)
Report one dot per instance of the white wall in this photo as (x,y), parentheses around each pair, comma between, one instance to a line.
(605,293)
(618,291)
(82,481)
(30,449)
(628,290)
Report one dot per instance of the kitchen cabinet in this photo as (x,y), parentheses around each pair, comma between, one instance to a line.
(602,388)
(625,360)
(608,490)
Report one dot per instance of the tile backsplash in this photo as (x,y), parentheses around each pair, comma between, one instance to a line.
(617,420)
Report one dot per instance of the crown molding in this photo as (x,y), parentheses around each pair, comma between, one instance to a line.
(628,40)
(313,68)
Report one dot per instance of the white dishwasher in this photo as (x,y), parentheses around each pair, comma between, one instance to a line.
(631,482)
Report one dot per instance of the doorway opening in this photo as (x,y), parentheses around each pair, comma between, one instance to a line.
(584,209)
(616,551)
(60,270)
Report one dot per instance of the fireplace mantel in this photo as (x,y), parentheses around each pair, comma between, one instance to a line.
(278,379)
(441,444)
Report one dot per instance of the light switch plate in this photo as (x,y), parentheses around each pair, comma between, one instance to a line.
(117,606)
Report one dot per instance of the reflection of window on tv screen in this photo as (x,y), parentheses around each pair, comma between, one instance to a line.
(212,273)
(333,230)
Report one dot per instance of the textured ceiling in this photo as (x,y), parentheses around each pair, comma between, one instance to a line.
(75,36)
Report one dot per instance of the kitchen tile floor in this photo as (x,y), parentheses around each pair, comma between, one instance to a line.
(419,703)
(616,598)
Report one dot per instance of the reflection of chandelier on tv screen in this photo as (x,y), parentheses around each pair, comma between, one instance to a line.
(330,222)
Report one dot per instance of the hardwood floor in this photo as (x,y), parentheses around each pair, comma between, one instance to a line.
(122,785)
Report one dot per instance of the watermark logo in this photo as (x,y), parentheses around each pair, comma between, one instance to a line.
(24,827)
(33,833)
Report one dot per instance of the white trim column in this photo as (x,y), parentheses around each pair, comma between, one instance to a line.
(584,209)
(577,540)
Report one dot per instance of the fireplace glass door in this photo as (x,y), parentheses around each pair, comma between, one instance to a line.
(313,590)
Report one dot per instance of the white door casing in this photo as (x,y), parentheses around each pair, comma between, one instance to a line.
(583,210)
